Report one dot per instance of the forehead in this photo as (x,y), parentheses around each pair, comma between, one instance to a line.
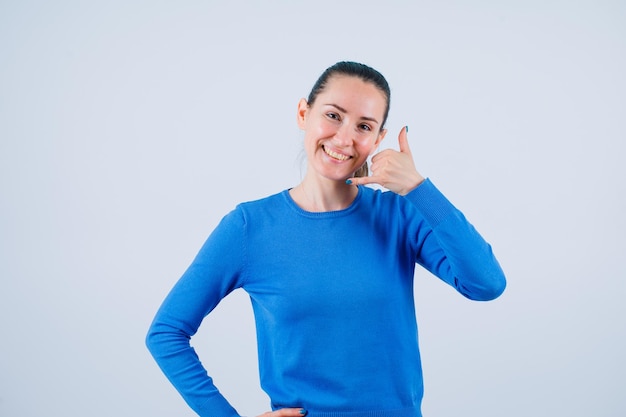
(354,93)
(343,83)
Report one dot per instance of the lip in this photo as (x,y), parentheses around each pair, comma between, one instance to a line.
(335,155)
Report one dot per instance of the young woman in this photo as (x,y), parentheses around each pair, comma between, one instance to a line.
(329,268)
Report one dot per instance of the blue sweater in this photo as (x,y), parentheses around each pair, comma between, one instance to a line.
(332,295)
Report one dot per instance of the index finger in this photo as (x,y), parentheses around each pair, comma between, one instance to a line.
(373,179)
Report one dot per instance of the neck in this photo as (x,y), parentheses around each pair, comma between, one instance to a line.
(322,194)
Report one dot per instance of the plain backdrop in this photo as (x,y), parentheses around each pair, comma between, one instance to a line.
(129,128)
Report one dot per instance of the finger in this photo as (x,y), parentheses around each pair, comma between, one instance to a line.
(403,141)
(381,156)
(286,412)
(363,180)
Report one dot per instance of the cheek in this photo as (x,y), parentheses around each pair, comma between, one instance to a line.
(366,146)
(326,128)
(319,132)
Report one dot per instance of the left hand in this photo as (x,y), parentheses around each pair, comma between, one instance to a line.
(394,170)
(285,412)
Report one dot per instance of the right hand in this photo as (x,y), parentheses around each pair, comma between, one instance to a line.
(394,170)
(285,412)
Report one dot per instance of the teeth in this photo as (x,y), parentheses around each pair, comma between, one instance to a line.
(335,154)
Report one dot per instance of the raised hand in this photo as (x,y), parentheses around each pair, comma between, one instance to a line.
(394,170)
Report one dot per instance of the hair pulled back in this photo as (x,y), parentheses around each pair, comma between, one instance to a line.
(363,72)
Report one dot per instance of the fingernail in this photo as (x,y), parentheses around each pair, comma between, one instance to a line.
(407,128)
(302,411)
(348,181)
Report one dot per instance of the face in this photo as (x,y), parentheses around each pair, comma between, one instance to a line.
(342,127)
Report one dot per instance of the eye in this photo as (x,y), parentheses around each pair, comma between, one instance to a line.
(365,127)
(332,115)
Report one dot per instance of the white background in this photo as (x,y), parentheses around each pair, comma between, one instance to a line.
(129,128)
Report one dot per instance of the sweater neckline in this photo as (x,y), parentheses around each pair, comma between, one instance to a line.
(323,214)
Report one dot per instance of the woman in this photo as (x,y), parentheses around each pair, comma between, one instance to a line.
(329,268)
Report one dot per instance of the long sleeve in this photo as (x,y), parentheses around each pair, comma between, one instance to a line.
(453,250)
(214,273)
(332,296)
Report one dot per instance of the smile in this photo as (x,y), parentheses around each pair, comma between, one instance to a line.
(335,155)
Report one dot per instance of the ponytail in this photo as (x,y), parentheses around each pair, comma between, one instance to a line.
(362,172)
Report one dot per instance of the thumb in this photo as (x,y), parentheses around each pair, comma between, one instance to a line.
(403,140)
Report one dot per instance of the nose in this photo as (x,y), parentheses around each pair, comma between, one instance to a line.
(343,136)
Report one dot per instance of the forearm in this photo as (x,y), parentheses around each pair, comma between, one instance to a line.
(455,251)
(170,347)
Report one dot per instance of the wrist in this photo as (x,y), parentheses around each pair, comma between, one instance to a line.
(413,184)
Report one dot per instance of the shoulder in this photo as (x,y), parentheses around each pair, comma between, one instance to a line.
(378,199)
(270,202)
(263,208)
(388,208)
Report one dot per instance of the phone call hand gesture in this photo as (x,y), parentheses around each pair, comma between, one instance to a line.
(394,170)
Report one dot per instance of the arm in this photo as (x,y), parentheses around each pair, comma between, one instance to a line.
(452,250)
(213,274)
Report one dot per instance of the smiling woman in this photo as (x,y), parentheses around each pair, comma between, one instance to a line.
(329,268)
(343,126)
(366,75)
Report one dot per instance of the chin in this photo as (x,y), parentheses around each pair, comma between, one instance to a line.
(338,176)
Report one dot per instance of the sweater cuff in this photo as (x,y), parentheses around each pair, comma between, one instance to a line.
(217,406)
(433,205)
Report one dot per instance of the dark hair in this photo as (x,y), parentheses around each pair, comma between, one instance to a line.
(361,71)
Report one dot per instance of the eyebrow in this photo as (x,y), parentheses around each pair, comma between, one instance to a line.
(341,109)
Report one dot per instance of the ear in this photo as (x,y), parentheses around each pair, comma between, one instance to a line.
(303,108)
